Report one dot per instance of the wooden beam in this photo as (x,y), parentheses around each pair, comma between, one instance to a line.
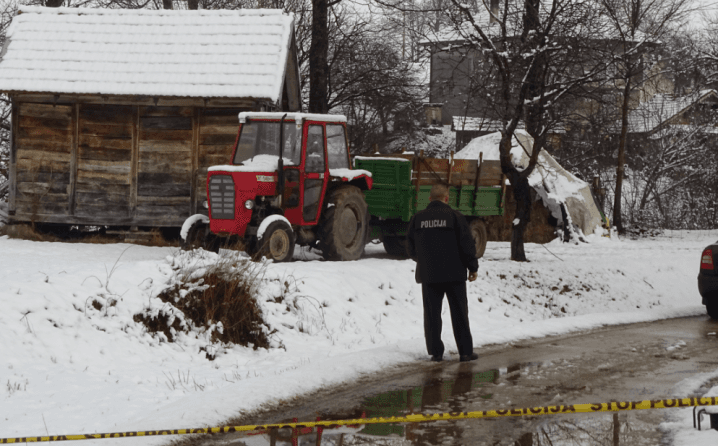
(195,160)
(74,150)
(134,162)
(149,101)
(13,160)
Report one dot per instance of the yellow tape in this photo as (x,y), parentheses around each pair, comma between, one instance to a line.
(411,418)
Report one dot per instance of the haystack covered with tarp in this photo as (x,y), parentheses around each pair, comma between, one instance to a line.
(565,196)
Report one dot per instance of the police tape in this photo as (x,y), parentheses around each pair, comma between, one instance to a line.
(616,406)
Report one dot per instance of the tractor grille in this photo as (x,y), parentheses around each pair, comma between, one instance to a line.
(221,196)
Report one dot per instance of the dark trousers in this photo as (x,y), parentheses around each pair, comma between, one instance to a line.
(433,294)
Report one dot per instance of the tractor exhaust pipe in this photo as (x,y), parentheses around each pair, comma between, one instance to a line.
(280,163)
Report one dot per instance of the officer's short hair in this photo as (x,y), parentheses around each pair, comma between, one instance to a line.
(438,192)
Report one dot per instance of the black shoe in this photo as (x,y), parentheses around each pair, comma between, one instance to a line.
(466,358)
(437,358)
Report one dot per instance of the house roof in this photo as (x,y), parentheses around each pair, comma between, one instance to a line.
(473,124)
(237,54)
(660,109)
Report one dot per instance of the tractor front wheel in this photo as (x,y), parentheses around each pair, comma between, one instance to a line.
(198,236)
(344,224)
(478,232)
(277,243)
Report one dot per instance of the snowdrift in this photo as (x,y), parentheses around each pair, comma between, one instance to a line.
(554,184)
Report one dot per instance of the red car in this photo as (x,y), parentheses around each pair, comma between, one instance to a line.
(708,280)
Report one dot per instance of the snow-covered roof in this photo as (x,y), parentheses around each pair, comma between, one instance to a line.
(291,116)
(651,114)
(204,53)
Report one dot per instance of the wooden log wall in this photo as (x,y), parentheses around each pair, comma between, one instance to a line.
(118,165)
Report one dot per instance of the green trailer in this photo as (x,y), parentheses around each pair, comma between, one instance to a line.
(401,185)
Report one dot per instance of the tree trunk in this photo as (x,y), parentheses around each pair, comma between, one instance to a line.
(193,4)
(318,55)
(166,4)
(522,195)
(620,167)
(54,3)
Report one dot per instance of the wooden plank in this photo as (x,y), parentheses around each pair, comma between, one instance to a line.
(42,188)
(49,208)
(44,133)
(34,176)
(106,114)
(222,120)
(42,155)
(219,149)
(225,140)
(106,130)
(102,199)
(163,177)
(108,212)
(226,129)
(43,165)
(195,160)
(75,154)
(102,154)
(46,145)
(167,135)
(170,166)
(42,197)
(166,123)
(209,112)
(164,201)
(213,160)
(105,143)
(135,156)
(92,176)
(104,188)
(166,111)
(45,110)
(122,167)
(166,146)
(54,123)
(164,190)
(246,104)
(170,211)
(464,166)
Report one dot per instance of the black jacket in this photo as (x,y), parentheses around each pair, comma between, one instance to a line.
(440,241)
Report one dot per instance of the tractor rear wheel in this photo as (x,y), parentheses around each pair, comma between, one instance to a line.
(344,224)
(478,232)
(395,246)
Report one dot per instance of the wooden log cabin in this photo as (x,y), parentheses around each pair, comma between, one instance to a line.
(117,114)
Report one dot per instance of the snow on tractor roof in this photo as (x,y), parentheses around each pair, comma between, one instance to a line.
(291,116)
(200,53)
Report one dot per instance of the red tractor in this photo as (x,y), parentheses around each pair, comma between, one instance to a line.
(290,181)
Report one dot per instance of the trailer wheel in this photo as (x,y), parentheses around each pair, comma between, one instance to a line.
(395,246)
(478,232)
(277,243)
(344,223)
(198,236)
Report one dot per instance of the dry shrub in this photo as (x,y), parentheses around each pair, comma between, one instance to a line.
(220,298)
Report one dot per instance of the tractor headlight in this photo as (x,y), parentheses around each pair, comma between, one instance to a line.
(249,204)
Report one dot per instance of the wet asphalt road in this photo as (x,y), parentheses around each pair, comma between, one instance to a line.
(630,362)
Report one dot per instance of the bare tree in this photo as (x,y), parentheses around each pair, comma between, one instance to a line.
(637,25)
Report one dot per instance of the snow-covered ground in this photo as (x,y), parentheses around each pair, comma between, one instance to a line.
(69,368)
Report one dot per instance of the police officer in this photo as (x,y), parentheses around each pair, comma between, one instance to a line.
(440,241)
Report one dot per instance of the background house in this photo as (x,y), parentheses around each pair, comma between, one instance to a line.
(116,114)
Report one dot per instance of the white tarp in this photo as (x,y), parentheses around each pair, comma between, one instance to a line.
(554,184)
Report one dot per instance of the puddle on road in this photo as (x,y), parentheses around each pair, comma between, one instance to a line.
(468,391)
